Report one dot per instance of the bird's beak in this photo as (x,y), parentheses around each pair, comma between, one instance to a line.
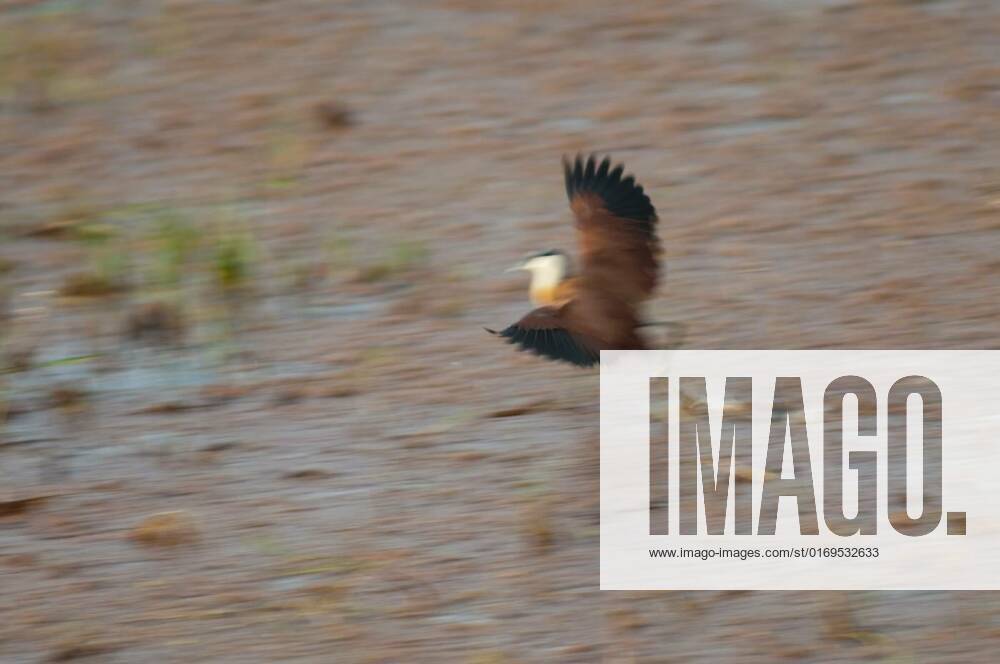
(515,268)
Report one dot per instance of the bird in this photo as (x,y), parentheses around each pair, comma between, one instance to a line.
(579,312)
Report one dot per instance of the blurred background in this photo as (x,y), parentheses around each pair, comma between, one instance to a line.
(247,249)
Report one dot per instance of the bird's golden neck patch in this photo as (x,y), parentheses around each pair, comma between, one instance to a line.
(542,295)
(551,294)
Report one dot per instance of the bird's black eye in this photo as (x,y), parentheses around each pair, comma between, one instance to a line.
(550,252)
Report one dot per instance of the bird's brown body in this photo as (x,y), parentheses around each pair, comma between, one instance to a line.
(618,250)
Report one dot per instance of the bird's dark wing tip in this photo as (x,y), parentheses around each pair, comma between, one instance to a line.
(621,195)
(552,343)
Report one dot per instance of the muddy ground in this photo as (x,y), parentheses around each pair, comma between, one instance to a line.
(248,250)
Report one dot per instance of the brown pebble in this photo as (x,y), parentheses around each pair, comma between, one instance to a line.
(155,322)
(166,529)
(334,115)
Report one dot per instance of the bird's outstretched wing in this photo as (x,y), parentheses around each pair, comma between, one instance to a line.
(544,332)
(616,226)
(577,331)
(616,229)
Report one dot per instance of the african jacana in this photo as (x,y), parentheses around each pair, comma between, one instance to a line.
(579,314)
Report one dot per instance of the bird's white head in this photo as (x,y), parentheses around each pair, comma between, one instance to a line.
(547,268)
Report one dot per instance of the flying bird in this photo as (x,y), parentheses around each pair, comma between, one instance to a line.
(580,312)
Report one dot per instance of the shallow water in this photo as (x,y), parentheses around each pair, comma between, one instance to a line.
(373,478)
